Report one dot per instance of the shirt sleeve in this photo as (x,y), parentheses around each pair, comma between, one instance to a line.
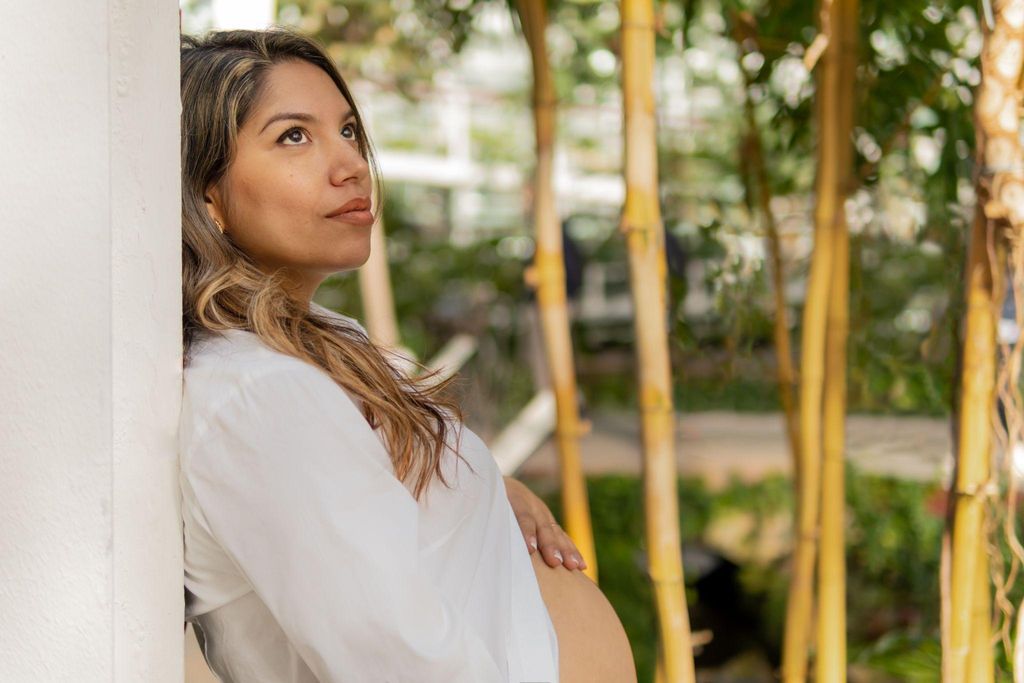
(300,492)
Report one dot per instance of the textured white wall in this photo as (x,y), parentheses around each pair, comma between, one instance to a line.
(90,342)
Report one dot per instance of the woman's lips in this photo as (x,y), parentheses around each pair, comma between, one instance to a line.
(360,217)
(354,204)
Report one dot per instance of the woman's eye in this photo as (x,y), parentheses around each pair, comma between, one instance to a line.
(290,135)
(296,135)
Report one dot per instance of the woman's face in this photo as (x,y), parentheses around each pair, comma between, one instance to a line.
(296,166)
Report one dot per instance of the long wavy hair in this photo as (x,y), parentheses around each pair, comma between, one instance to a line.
(223,75)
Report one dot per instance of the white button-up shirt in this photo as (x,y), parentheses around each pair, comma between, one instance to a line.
(306,559)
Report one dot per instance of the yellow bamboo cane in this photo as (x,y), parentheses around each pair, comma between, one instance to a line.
(830,659)
(977,388)
(980,660)
(376,294)
(549,278)
(642,226)
(796,636)
(997,122)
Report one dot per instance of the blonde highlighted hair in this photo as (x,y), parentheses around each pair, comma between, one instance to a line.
(222,77)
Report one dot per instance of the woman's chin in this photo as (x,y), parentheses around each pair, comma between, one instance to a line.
(347,262)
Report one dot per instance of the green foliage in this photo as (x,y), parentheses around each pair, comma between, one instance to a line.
(898,364)
(904,657)
(400,44)
(741,395)
(917,67)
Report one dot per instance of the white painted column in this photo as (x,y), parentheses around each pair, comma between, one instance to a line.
(90,342)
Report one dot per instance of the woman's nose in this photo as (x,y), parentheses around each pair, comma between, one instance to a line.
(347,163)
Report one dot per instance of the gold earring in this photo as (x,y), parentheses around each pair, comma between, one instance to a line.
(219,226)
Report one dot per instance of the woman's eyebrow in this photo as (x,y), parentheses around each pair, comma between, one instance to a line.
(298,116)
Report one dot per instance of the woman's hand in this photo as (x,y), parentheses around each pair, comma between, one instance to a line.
(540,529)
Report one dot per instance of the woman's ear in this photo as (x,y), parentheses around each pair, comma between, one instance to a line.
(213,205)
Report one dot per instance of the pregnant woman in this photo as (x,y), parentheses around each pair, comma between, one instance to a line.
(340,523)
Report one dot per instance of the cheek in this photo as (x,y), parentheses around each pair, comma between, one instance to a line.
(281,194)
(272,209)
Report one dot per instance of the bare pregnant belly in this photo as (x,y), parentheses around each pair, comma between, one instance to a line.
(592,645)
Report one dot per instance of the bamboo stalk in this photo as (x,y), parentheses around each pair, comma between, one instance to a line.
(549,275)
(830,661)
(376,293)
(796,636)
(980,660)
(642,226)
(977,389)
(785,371)
(997,121)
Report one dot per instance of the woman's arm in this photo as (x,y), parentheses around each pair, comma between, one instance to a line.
(540,529)
(297,488)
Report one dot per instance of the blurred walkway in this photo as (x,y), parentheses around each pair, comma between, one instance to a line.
(721,445)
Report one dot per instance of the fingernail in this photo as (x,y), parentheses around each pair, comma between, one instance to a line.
(558,554)
(533,542)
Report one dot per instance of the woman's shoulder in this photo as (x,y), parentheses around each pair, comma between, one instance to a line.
(233,355)
(228,365)
(223,367)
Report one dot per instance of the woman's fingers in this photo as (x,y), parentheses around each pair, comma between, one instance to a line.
(528,525)
(557,548)
(540,531)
